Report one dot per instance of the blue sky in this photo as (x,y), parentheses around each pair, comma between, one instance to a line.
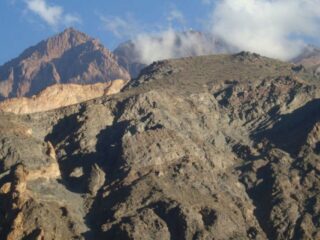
(263,26)
(22,27)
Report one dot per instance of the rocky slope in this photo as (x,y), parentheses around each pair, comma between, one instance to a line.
(60,95)
(69,57)
(215,147)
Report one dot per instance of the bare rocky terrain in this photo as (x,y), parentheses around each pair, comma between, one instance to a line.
(212,147)
(69,57)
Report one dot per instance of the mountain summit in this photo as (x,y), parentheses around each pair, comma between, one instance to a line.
(69,57)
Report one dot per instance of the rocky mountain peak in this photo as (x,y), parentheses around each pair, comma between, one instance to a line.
(55,46)
(69,37)
(68,57)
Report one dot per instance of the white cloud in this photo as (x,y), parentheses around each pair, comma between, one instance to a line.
(53,15)
(170,44)
(274,28)
(161,43)
(50,14)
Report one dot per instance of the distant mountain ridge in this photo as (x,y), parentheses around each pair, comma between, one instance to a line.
(69,57)
(72,57)
(132,56)
(309,58)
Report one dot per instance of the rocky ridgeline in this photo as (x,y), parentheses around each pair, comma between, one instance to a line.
(215,147)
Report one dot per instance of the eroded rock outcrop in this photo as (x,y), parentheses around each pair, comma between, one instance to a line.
(33,201)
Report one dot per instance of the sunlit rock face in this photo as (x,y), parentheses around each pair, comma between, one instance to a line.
(60,95)
(69,57)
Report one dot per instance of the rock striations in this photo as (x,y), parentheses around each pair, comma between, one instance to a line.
(215,147)
(69,57)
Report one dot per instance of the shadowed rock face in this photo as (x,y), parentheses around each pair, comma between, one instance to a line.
(70,57)
(128,57)
(189,150)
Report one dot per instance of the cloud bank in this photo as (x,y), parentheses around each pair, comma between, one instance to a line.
(171,44)
(274,28)
(162,43)
(53,15)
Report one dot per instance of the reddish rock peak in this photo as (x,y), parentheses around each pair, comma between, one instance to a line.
(68,57)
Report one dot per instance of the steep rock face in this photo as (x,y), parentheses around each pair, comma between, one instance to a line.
(60,95)
(215,147)
(31,192)
(69,57)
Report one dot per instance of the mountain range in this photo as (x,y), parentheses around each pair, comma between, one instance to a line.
(223,146)
(72,57)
